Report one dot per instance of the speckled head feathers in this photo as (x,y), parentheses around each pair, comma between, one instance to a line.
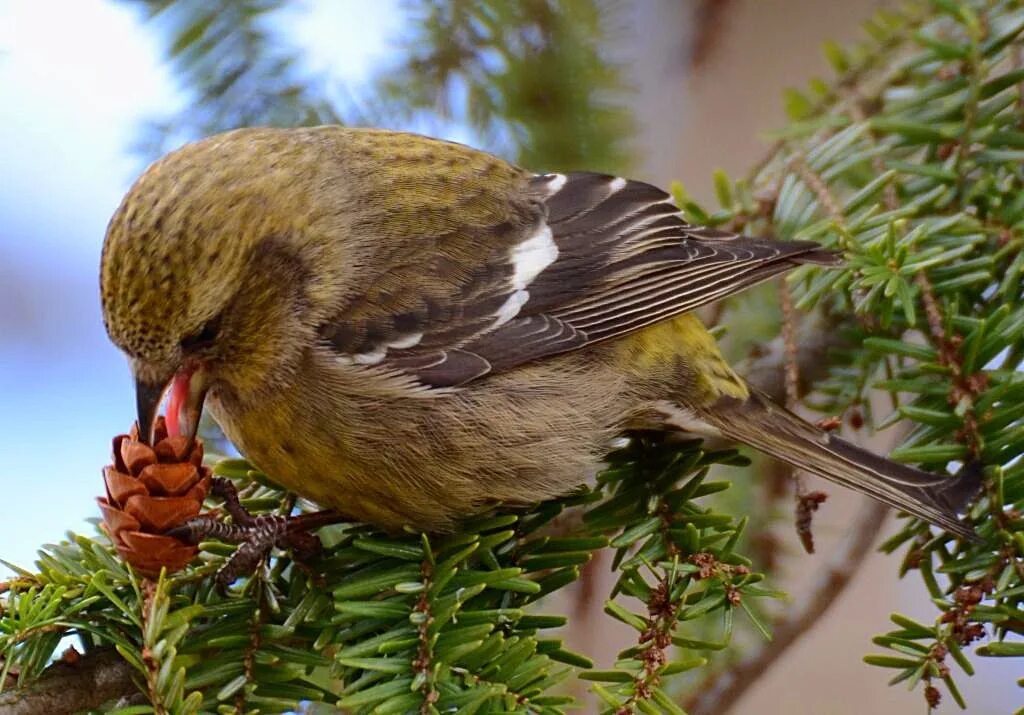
(179,239)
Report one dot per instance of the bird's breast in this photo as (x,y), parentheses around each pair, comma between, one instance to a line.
(353,440)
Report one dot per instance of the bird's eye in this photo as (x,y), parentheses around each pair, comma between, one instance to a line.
(202,338)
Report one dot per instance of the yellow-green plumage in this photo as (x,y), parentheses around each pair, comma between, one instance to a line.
(408,330)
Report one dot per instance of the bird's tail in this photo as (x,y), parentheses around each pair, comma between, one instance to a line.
(772,429)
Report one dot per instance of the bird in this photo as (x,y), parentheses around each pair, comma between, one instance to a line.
(409,330)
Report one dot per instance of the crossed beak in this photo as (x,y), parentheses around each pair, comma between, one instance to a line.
(186,389)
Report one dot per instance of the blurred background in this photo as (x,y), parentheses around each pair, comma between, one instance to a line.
(91,90)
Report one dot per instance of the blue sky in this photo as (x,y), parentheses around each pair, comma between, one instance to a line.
(72,95)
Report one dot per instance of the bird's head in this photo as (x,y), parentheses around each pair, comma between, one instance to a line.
(206,278)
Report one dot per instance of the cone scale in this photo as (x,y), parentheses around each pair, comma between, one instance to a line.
(150,490)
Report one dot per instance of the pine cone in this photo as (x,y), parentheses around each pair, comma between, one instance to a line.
(151,490)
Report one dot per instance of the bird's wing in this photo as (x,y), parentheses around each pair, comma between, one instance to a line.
(628,259)
(600,256)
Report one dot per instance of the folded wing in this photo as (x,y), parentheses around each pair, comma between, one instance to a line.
(603,256)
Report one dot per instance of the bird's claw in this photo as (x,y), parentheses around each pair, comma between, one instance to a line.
(255,535)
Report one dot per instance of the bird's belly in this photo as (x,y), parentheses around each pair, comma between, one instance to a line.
(318,470)
(428,462)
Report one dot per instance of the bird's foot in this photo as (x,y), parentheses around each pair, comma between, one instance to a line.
(255,535)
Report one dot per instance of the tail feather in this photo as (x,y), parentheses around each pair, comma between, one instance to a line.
(772,429)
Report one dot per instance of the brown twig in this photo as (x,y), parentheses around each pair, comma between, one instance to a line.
(149,594)
(820,188)
(21,582)
(249,658)
(710,21)
(792,356)
(806,502)
(786,368)
(65,687)
(720,691)
(423,663)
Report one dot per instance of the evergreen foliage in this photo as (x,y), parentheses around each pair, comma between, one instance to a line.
(235,69)
(398,624)
(463,65)
(910,162)
(531,78)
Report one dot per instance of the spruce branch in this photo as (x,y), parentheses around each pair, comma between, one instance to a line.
(722,689)
(384,623)
(909,161)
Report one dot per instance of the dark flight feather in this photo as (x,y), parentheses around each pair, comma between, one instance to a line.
(626,260)
(774,430)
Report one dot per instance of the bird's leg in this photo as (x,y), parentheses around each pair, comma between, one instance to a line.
(255,535)
(226,490)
